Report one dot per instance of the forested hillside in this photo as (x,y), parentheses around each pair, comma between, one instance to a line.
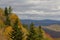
(11,28)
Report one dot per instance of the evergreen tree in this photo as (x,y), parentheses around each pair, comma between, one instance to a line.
(10,10)
(40,34)
(7,22)
(17,33)
(31,25)
(6,11)
(25,26)
(32,34)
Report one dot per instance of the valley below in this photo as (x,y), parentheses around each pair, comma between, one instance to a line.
(50,27)
(53,34)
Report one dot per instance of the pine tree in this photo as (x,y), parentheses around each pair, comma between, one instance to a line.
(6,11)
(7,22)
(10,10)
(17,33)
(32,25)
(40,34)
(25,26)
(32,34)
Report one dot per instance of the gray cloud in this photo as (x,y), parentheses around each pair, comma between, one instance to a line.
(38,17)
(34,9)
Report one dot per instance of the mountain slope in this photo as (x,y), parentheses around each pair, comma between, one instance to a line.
(5,29)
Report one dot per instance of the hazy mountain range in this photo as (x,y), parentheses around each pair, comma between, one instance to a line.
(41,22)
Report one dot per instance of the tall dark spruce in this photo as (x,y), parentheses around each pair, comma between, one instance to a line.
(7,13)
(40,34)
(32,34)
(17,33)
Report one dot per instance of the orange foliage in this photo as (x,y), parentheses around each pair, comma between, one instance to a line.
(7,30)
(13,17)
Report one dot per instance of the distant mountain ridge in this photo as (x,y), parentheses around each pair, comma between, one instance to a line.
(41,22)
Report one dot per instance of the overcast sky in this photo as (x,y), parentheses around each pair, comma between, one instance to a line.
(34,9)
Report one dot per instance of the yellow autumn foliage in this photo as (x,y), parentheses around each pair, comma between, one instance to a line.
(13,17)
(7,30)
(2,25)
(1,11)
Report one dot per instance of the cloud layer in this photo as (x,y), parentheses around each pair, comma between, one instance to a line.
(34,9)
